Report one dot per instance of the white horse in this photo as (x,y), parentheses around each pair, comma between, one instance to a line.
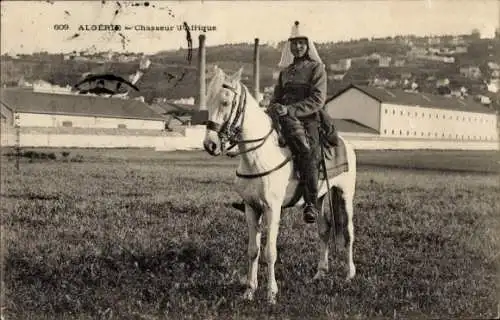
(265,177)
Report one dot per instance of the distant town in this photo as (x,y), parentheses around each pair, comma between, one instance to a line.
(459,66)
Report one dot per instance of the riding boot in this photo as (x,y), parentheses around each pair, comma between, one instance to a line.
(309,177)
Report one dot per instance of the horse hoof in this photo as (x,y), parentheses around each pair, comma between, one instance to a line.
(318,276)
(351,274)
(248,295)
(271,299)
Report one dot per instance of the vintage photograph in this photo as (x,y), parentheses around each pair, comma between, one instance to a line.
(250,159)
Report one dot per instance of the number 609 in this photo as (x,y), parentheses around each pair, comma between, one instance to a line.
(58,27)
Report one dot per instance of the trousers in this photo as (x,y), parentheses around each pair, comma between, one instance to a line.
(303,138)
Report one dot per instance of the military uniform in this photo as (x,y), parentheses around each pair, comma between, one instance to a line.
(297,105)
(301,90)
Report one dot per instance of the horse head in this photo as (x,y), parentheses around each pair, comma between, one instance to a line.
(225,103)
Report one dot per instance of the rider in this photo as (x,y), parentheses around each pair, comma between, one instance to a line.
(298,107)
(298,100)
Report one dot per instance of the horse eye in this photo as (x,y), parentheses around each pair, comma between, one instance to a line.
(225,103)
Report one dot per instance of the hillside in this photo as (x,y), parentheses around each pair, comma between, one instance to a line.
(172,76)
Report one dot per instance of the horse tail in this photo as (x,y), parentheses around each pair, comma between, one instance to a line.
(339,217)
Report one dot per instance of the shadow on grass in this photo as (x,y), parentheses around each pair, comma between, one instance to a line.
(30,196)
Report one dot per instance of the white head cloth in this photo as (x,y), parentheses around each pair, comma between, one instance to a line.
(286,53)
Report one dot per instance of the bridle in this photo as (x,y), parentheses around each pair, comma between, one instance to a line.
(230,131)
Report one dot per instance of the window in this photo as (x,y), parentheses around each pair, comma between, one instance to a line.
(122,126)
(386,111)
(401,112)
(414,133)
(435,134)
(407,133)
(393,111)
(422,134)
(385,131)
(416,114)
(392,131)
(400,132)
(67,124)
(423,114)
(408,113)
(457,117)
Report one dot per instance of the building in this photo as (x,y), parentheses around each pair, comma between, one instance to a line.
(342,65)
(385,61)
(471,72)
(412,116)
(49,110)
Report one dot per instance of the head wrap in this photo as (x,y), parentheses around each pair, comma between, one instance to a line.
(286,54)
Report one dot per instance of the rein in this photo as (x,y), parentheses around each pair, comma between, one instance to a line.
(230,131)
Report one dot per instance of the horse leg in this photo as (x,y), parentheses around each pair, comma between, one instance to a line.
(273,219)
(254,234)
(325,232)
(349,235)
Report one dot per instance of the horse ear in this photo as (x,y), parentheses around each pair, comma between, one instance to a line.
(237,75)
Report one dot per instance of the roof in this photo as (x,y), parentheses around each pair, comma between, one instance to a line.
(427,100)
(27,101)
(349,125)
(174,108)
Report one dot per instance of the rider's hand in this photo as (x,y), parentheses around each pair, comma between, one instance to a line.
(278,109)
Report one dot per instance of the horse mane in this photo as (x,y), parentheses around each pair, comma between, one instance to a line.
(215,84)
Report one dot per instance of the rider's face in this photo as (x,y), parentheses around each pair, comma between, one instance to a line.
(298,47)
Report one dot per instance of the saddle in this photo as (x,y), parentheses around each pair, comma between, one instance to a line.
(333,148)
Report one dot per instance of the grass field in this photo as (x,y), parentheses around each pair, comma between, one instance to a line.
(135,234)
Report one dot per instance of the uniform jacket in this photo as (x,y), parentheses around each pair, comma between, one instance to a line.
(302,88)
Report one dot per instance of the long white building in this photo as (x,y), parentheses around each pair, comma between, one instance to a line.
(420,119)
(49,110)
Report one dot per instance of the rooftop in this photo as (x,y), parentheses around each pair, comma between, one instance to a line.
(349,125)
(27,101)
(401,97)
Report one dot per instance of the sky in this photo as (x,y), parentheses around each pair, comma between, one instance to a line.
(28,26)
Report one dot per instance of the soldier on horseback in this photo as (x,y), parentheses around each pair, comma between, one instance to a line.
(297,106)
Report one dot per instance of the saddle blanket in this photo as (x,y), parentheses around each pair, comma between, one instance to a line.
(335,160)
(336,163)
